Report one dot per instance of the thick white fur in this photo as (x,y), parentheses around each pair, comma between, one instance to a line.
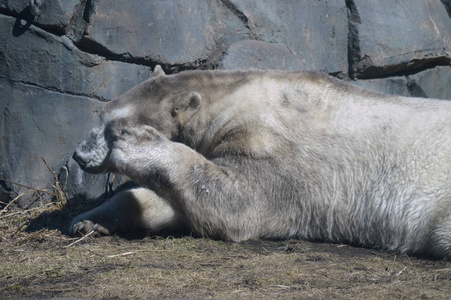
(123,112)
(278,155)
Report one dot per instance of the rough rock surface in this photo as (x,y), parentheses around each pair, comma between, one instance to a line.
(39,58)
(314,31)
(409,35)
(58,66)
(392,85)
(54,14)
(182,32)
(254,54)
(431,83)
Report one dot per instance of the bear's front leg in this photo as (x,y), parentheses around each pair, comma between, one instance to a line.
(215,200)
(131,210)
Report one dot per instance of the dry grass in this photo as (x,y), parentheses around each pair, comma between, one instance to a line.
(38,261)
(40,264)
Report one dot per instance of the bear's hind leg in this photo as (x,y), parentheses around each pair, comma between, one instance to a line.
(131,210)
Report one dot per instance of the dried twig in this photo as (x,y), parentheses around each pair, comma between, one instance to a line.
(29,187)
(61,194)
(25,211)
(121,254)
(443,270)
(400,272)
(11,202)
(80,239)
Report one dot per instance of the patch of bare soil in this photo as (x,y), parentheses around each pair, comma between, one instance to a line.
(39,261)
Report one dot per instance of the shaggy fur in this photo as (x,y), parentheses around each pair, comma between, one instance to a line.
(269,154)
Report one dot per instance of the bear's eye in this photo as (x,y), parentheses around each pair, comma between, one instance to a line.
(125,132)
(110,134)
(174,111)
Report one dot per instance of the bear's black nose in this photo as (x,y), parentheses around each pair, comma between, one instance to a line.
(79,160)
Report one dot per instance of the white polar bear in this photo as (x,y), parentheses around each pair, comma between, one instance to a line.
(269,154)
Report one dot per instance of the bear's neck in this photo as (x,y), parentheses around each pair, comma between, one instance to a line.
(223,101)
(232,100)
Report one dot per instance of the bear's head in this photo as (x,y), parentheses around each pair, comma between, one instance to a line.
(161,103)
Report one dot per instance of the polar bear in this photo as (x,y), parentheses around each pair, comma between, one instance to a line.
(237,155)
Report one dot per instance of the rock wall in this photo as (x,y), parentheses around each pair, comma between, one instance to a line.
(59,66)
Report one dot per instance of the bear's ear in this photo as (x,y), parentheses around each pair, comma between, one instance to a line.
(158,71)
(193,100)
(188,102)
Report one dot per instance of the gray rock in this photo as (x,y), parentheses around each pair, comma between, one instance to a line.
(5,165)
(393,85)
(315,31)
(250,54)
(183,32)
(432,83)
(396,36)
(47,104)
(54,14)
(447,4)
(40,123)
(39,58)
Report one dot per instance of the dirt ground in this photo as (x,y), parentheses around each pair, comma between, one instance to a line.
(38,260)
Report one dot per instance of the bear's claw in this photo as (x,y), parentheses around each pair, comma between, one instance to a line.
(86,226)
(82,227)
